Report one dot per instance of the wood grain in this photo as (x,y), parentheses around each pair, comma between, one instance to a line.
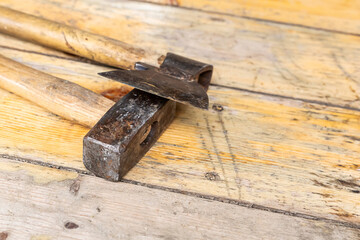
(77,209)
(250,55)
(297,153)
(334,15)
(57,95)
(274,152)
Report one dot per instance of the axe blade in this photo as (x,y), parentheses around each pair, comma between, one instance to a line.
(180,79)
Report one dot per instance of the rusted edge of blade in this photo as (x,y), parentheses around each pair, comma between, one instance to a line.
(153,81)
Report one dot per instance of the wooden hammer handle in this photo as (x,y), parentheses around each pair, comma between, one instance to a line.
(59,96)
(71,40)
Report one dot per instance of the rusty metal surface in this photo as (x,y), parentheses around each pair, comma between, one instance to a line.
(180,79)
(125,133)
(129,129)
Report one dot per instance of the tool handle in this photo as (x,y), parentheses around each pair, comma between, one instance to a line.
(59,96)
(71,40)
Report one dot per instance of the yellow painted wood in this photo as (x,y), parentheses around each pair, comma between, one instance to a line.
(275,152)
(272,151)
(99,209)
(57,95)
(37,174)
(333,15)
(257,56)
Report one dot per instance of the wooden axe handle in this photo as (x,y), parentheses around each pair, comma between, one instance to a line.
(59,96)
(71,40)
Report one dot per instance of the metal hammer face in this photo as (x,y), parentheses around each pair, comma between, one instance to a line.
(131,127)
(125,133)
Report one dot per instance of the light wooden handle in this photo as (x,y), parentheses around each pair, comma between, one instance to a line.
(59,96)
(68,39)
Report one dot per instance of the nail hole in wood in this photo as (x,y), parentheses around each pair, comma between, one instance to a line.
(71,225)
(212,176)
(217,107)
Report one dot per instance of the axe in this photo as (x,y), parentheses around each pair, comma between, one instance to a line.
(123,132)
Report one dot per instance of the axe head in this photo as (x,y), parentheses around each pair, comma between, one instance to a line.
(178,78)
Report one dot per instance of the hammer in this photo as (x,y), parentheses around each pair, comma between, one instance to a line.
(127,129)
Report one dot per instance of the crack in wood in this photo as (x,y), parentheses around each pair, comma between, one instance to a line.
(217,154)
(236,170)
(201,136)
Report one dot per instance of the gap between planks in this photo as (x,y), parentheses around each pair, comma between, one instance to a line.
(192,194)
(70,58)
(286,97)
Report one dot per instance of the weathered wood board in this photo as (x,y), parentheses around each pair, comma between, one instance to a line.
(334,15)
(287,139)
(274,152)
(42,203)
(257,56)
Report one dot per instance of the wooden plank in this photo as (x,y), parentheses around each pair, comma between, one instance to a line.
(273,152)
(43,203)
(251,55)
(335,15)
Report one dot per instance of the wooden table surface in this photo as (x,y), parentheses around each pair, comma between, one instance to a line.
(277,156)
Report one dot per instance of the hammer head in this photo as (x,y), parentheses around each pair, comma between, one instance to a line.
(125,133)
(180,79)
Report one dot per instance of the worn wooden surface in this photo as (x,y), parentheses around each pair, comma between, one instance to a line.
(286,141)
(57,204)
(258,56)
(333,15)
